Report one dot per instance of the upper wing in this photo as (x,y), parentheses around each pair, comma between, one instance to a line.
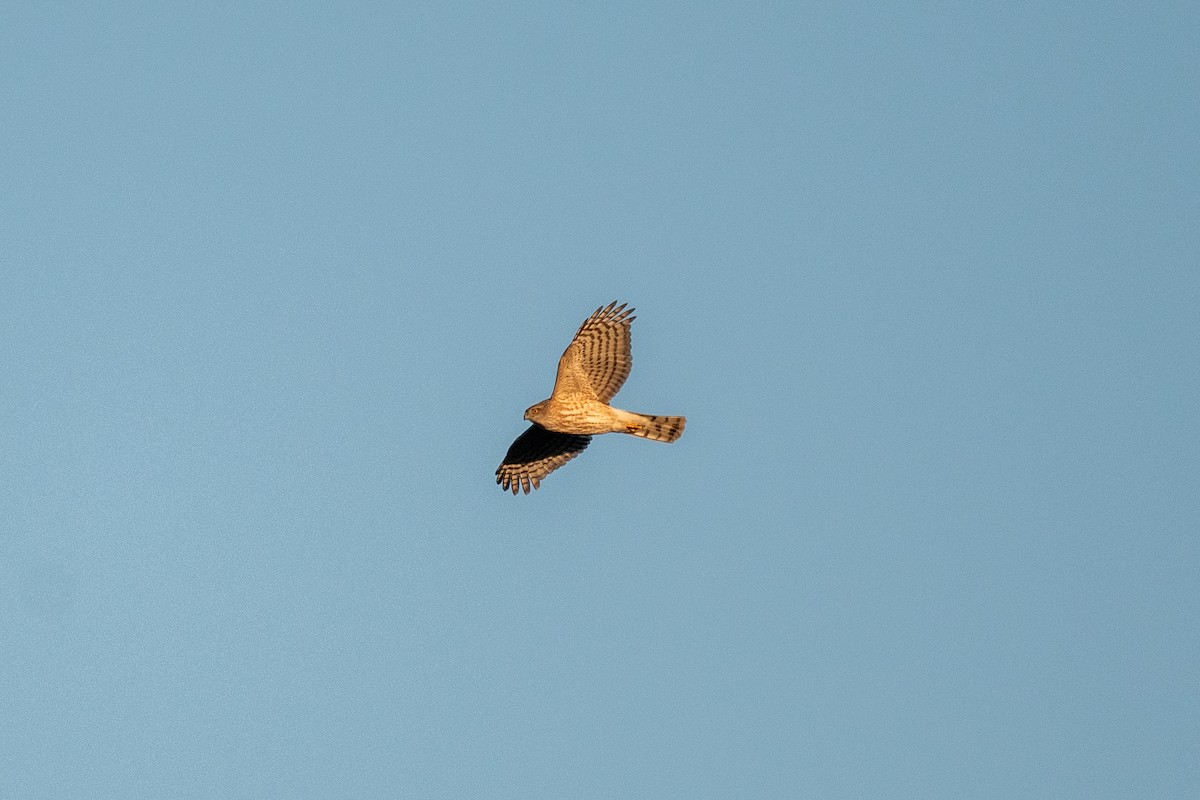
(535,454)
(598,360)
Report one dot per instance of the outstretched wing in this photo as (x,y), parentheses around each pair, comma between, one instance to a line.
(598,360)
(535,454)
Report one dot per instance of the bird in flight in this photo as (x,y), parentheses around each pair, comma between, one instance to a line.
(590,372)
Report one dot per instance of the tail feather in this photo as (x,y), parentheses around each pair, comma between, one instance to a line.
(658,428)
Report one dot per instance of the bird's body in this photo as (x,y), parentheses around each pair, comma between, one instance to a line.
(590,372)
(584,415)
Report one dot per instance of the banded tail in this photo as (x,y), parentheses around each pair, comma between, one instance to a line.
(658,428)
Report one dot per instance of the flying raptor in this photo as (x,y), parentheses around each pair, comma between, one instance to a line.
(590,372)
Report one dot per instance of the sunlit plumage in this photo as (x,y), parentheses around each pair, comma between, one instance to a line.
(591,371)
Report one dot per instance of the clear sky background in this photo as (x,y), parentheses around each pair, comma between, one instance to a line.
(278,280)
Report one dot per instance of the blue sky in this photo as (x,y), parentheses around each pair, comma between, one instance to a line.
(279,280)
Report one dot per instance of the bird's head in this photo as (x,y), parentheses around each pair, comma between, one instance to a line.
(536,411)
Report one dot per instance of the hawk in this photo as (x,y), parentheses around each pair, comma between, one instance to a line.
(590,372)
